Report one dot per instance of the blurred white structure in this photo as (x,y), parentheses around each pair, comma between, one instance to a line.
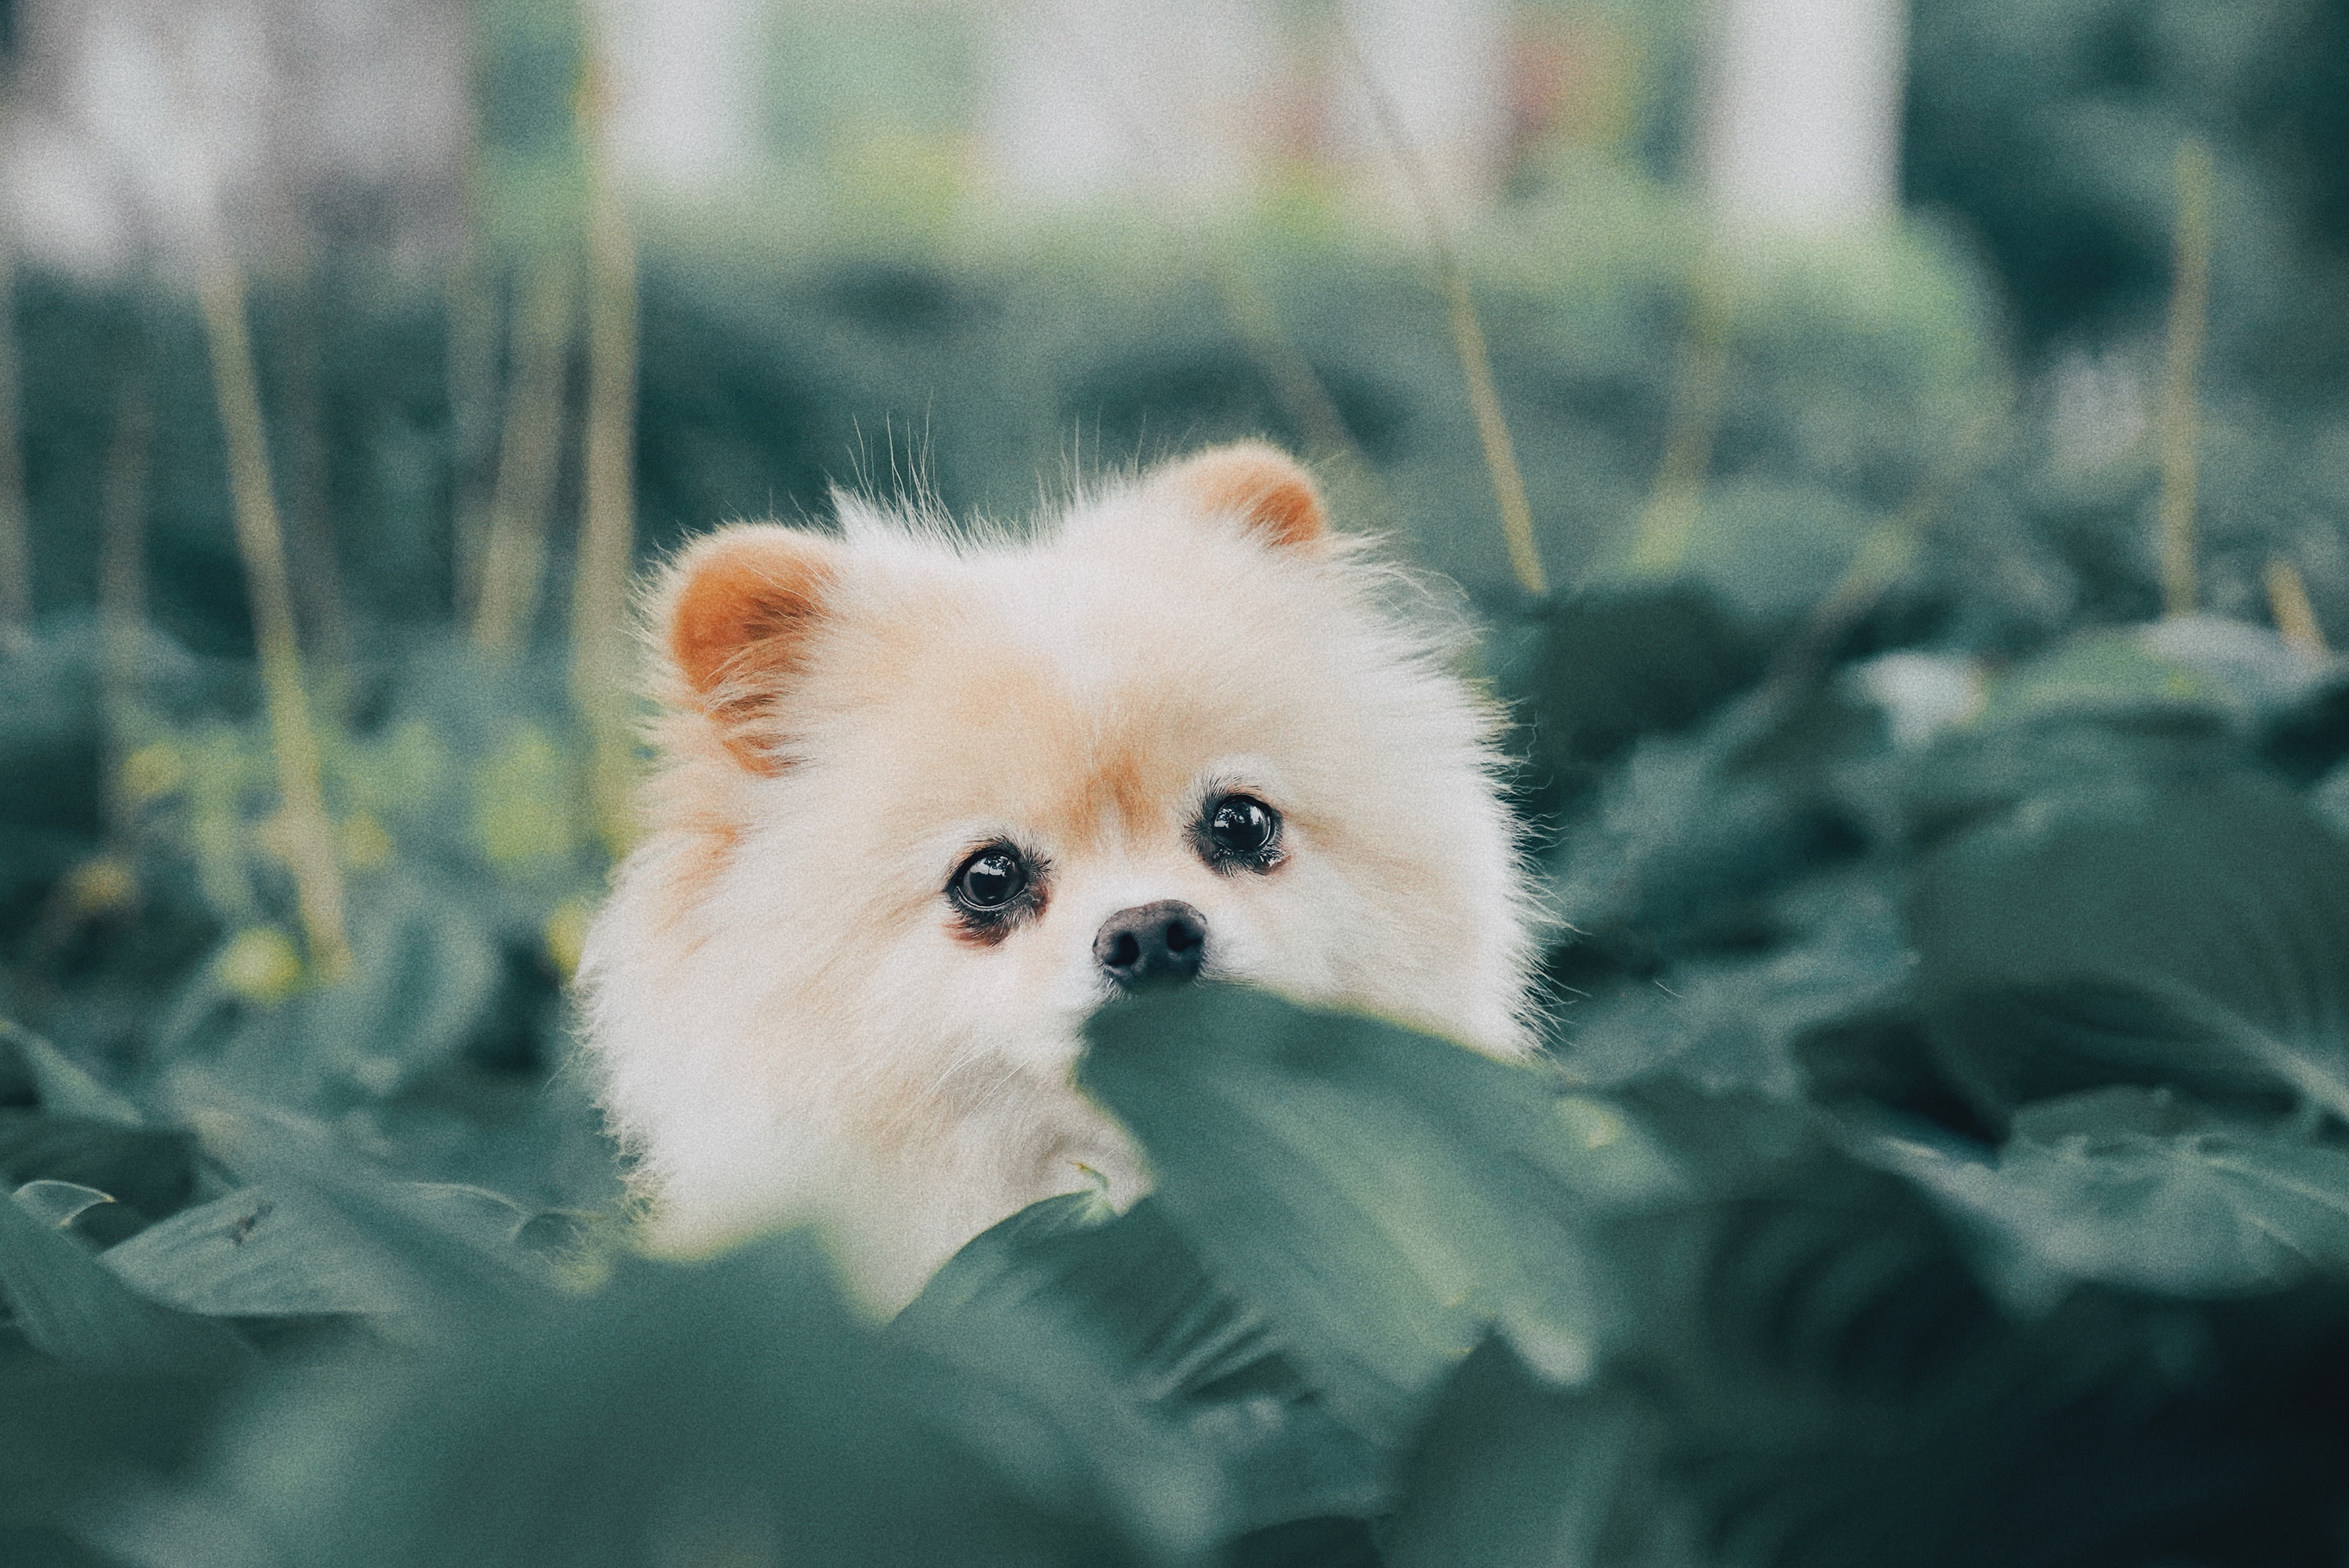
(140,127)
(684,80)
(1802,128)
(1443,67)
(146,129)
(1089,97)
(1084,98)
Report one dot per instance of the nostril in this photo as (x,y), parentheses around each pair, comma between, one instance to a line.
(1181,936)
(1125,951)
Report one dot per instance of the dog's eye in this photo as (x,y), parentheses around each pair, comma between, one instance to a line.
(990,880)
(1241,830)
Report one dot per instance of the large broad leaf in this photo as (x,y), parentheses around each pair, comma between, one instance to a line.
(733,1411)
(1053,1316)
(1116,1323)
(1617,662)
(1692,835)
(251,1254)
(2331,800)
(446,1253)
(2134,1188)
(71,1307)
(1510,1472)
(1730,1022)
(69,1430)
(2189,929)
(1381,1196)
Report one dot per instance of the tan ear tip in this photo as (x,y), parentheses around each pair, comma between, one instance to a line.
(1269,490)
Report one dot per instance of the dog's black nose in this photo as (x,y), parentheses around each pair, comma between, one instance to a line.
(1161,943)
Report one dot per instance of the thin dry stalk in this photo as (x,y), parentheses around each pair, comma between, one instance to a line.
(2190,308)
(304,838)
(1667,522)
(1884,556)
(599,584)
(473,364)
(513,555)
(1468,332)
(2295,616)
(122,581)
(1295,385)
(309,523)
(15,525)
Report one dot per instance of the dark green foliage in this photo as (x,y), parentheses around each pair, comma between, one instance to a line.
(1940,1151)
(2050,126)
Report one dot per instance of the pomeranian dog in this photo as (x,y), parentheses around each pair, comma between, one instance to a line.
(925,801)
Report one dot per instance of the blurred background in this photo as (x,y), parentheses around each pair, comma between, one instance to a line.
(1897,456)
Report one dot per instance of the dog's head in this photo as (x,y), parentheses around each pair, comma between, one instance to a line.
(928,801)
(982,788)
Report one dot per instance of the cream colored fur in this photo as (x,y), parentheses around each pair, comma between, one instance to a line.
(786,1021)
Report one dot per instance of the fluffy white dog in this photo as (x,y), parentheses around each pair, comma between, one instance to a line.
(925,802)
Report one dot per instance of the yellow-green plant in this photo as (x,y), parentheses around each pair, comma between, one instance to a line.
(305,838)
(2189,310)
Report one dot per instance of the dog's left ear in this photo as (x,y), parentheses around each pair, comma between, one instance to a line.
(1258,483)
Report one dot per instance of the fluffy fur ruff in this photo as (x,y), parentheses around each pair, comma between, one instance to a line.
(790,1017)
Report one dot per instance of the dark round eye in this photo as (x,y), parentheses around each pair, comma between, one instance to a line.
(1241,829)
(991,879)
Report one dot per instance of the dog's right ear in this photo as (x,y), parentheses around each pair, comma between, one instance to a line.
(735,619)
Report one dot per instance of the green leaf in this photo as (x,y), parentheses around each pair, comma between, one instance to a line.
(71,1307)
(454,1248)
(2330,800)
(152,1169)
(2189,930)
(72,1432)
(2107,670)
(1117,1323)
(58,1203)
(737,1410)
(2137,1187)
(1381,1196)
(58,1086)
(424,976)
(1626,661)
(1040,1357)
(1509,1471)
(249,1255)
(1731,1023)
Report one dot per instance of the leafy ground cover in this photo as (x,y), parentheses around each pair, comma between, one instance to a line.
(1942,1152)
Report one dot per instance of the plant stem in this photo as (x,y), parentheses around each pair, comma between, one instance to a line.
(1667,522)
(16,524)
(472,367)
(2190,307)
(306,839)
(2295,615)
(1468,332)
(303,462)
(1295,385)
(513,555)
(122,580)
(599,584)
